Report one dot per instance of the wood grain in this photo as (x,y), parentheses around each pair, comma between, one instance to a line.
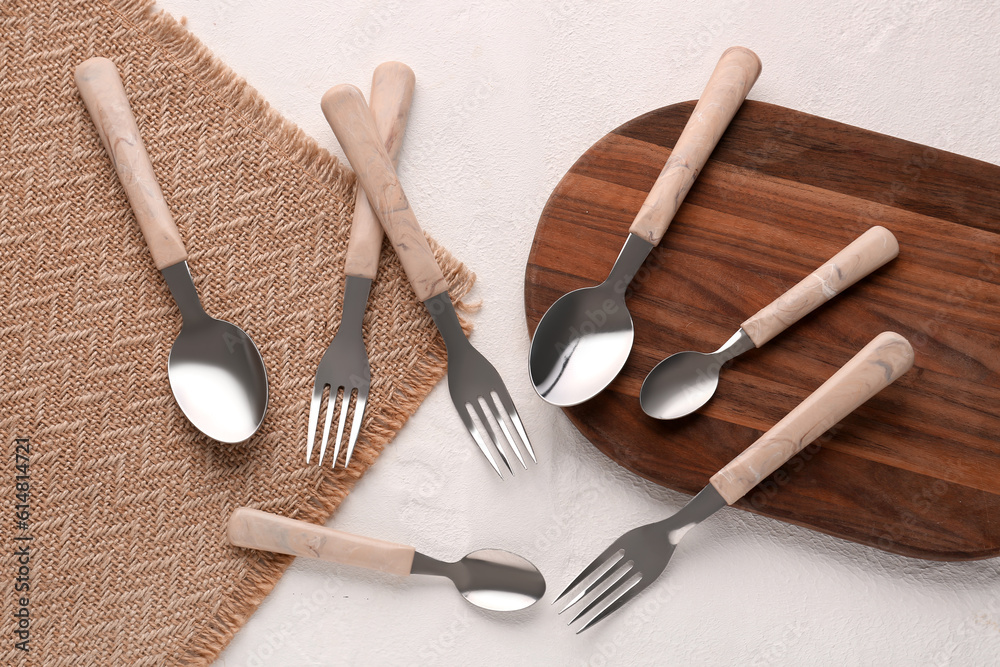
(254,529)
(875,367)
(102,91)
(915,470)
(345,109)
(392,93)
(866,253)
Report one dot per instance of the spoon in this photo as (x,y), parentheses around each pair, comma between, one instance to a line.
(584,339)
(685,381)
(215,371)
(489,578)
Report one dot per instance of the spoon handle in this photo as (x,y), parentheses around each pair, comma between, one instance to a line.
(392,92)
(102,91)
(874,248)
(877,365)
(734,76)
(348,115)
(255,529)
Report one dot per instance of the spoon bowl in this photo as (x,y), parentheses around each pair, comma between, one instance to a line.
(216,372)
(218,377)
(680,384)
(493,579)
(580,345)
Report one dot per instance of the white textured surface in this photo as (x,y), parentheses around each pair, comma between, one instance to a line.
(508,95)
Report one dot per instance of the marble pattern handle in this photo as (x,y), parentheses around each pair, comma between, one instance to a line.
(877,365)
(865,254)
(254,529)
(734,76)
(102,91)
(348,115)
(392,92)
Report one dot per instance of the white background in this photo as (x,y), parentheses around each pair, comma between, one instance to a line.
(508,95)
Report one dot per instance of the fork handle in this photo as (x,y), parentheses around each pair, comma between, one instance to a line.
(345,109)
(734,76)
(392,92)
(255,529)
(877,365)
(102,91)
(873,249)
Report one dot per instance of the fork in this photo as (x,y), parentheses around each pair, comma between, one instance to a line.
(638,557)
(344,368)
(476,388)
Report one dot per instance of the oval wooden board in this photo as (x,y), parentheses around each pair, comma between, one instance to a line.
(916,470)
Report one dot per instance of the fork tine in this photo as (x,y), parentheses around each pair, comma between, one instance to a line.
(612,551)
(498,414)
(345,403)
(484,420)
(331,403)
(608,585)
(317,398)
(618,597)
(359,413)
(508,406)
(470,425)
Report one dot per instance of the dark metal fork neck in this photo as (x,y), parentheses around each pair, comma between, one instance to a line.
(705,504)
(356,291)
(443,313)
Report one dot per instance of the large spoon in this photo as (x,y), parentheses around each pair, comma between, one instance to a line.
(215,370)
(584,339)
(488,578)
(683,382)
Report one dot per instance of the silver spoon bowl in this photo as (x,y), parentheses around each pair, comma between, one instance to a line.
(685,381)
(216,372)
(489,578)
(584,339)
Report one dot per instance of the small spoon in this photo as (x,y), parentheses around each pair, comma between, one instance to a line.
(584,339)
(215,370)
(685,381)
(488,578)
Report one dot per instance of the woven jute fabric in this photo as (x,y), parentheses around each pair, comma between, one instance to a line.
(128,503)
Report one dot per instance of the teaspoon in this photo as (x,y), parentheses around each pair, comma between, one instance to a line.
(685,381)
(489,578)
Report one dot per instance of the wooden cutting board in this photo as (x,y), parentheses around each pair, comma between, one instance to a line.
(916,470)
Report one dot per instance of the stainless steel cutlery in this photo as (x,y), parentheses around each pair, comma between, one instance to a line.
(575,355)
(489,578)
(476,388)
(216,372)
(685,381)
(638,557)
(344,370)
